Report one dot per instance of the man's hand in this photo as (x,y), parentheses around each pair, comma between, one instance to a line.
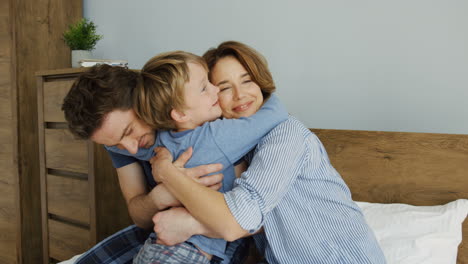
(174,226)
(162,166)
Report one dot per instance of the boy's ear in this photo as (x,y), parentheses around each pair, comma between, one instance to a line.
(178,116)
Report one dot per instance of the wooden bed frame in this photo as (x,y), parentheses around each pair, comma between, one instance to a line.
(397,167)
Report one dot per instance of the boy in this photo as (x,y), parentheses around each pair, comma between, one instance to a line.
(176,98)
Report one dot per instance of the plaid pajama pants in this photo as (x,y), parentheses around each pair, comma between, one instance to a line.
(152,253)
(123,246)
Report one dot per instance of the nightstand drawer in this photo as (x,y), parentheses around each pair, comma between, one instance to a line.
(63,152)
(81,201)
(66,241)
(54,92)
(68,197)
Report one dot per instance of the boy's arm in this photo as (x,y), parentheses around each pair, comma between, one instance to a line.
(236,137)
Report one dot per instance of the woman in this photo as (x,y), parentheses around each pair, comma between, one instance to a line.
(290,188)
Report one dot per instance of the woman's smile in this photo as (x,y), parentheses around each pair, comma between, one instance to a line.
(242,107)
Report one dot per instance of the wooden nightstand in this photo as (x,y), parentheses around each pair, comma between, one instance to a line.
(80,194)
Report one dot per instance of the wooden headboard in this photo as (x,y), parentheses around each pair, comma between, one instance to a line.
(397,167)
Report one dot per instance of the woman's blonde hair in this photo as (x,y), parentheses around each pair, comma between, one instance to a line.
(253,62)
(161,87)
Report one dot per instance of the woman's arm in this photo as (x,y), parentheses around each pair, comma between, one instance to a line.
(144,204)
(206,205)
(274,168)
(176,225)
(236,137)
(226,140)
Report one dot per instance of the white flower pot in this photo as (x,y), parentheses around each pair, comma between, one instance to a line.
(78,55)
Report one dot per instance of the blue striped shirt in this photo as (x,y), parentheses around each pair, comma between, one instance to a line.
(303,204)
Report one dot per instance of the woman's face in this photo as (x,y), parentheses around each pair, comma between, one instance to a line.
(239,96)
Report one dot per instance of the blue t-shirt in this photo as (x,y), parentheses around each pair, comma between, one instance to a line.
(222,141)
(119,160)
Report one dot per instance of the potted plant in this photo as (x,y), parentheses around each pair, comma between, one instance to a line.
(81,37)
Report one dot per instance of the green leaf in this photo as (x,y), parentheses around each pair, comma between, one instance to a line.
(81,35)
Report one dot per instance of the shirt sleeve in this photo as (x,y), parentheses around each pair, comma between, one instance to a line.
(236,137)
(277,162)
(120,160)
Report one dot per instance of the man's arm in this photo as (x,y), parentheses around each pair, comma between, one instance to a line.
(142,204)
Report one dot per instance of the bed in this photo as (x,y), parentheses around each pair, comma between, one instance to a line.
(419,169)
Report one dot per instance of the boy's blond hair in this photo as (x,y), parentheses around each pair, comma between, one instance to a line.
(161,88)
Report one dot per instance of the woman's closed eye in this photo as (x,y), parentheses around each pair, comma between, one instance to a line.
(222,89)
(246,81)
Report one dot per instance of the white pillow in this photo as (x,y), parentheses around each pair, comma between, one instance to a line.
(417,234)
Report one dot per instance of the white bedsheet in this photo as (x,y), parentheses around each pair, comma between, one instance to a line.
(412,234)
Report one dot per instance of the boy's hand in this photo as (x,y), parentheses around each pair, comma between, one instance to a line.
(162,166)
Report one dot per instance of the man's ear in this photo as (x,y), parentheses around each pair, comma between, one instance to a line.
(178,116)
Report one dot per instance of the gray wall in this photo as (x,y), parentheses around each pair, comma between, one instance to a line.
(398,65)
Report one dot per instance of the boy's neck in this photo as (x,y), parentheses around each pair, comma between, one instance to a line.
(186,126)
(181,129)
(182,126)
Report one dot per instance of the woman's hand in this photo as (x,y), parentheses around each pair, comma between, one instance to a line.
(174,226)
(162,166)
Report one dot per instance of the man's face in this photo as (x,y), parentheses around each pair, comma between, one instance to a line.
(123,129)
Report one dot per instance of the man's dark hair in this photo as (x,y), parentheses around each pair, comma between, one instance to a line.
(95,93)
